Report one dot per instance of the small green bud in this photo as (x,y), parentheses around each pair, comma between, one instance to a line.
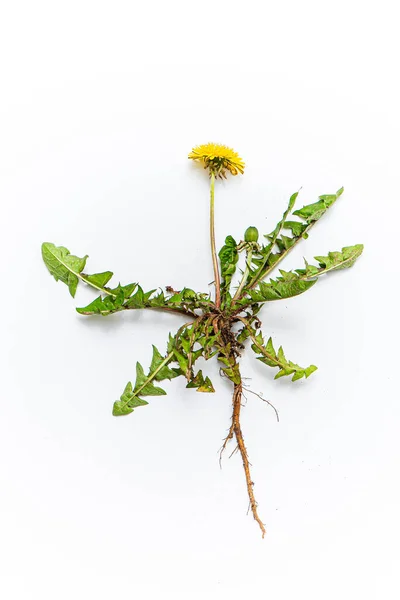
(251,234)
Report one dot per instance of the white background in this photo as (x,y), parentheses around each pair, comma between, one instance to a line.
(100,104)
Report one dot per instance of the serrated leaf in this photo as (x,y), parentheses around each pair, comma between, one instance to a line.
(143,386)
(126,289)
(228,256)
(268,291)
(267,361)
(298,375)
(273,237)
(201,384)
(127,402)
(243,335)
(333,262)
(121,409)
(207,386)
(310,370)
(288,285)
(340,260)
(296,227)
(311,212)
(98,280)
(158,300)
(283,373)
(268,257)
(137,300)
(181,360)
(291,288)
(176,298)
(99,306)
(165,372)
(310,270)
(188,294)
(186,345)
(171,343)
(266,354)
(281,355)
(63,265)
(196,381)
(233,373)
(147,296)
(269,347)
(286,242)
(314,211)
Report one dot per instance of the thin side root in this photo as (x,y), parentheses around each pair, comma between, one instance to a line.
(264,400)
(226,440)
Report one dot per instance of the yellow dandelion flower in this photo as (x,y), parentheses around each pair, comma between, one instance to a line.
(218,159)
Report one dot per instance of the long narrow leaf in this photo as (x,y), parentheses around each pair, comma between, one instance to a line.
(279,245)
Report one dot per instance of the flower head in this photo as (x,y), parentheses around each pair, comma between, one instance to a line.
(218,159)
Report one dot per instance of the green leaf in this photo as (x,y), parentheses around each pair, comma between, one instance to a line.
(171,343)
(158,300)
(128,401)
(296,227)
(333,262)
(63,265)
(207,386)
(233,373)
(95,307)
(340,260)
(285,242)
(228,256)
(140,299)
(105,306)
(270,357)
(185,343)
(137,300)
(99,306)
(201,384)
(279,245)
(165,372)
(243,335)
(147,296)
(126,289)
(188,294)
(144,385)
(182,360)
(313,212)
(118,299)
(289,284)
(273,237)
(98,280)
(68,268)
(310,370)
(176,299)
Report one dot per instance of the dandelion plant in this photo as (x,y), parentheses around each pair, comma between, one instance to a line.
(219,324)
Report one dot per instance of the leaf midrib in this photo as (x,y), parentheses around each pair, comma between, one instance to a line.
(81,276)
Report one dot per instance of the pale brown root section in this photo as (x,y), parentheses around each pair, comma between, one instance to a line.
(235,430)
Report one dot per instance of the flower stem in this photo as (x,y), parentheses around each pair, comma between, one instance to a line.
(217,279)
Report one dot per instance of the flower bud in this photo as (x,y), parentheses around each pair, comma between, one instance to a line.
(251,234)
